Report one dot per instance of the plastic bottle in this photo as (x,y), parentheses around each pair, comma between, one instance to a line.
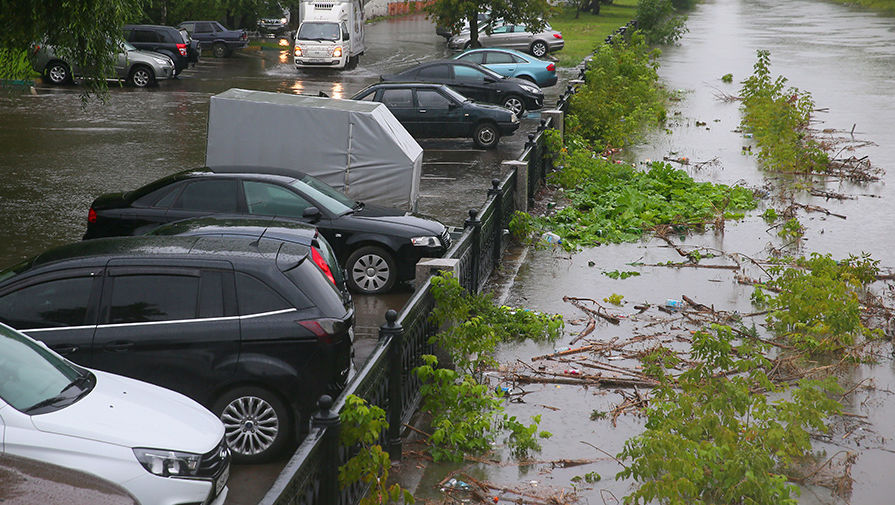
(551,238)
(674,304)
(572,371)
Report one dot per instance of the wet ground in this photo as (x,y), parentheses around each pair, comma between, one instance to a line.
(57,154)
(846,58)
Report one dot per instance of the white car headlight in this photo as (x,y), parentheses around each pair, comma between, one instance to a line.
(428,241)
(163,61)
(168,463)
(531,89)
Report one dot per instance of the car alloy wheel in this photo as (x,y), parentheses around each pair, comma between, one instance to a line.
(371,270)
(141,77)
(57,73)
(515,104)
(486,135)
(219,49)
(255,423)
(539,48)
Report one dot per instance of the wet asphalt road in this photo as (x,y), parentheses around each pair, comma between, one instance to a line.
(58,153)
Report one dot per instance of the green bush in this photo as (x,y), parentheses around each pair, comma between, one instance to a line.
(14,64)
(660,21)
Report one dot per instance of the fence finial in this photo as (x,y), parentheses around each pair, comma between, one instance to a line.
(391,315)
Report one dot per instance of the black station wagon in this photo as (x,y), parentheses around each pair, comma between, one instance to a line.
(378,246)
(437,111)
(251,329)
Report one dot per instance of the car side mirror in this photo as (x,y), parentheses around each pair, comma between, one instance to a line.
(489,79)
(311,213)
(346,36)
(453,105)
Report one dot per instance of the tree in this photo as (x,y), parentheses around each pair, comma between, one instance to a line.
(85,33)
(452,13)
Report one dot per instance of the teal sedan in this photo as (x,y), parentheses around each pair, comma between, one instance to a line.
(511,63)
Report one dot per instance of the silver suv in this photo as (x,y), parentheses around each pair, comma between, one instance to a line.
(139,68)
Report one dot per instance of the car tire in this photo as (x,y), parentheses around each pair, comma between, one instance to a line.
(515,104)
(58,73)
(219,50)
(371,270)
(141,76)
(257,424)
(486,135)
(538,48)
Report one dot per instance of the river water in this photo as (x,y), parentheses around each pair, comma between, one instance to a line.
(846,58)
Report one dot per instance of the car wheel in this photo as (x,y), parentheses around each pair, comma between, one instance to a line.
(371,270)
(515,104)
(486,135)
(538,48)
(257,424)
(219,50)
(58,73)
(141,76)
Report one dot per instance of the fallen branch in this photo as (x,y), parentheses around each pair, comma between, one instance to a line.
(591,325)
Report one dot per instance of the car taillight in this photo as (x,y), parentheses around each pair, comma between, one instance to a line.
(182,49)
(91,215)
(324,329)
(244,36)
(35,49)
(320,262)
(551,68)
(557,35)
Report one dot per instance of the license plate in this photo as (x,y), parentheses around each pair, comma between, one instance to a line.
(221,481)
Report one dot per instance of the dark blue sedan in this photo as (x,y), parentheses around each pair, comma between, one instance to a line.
(512,63)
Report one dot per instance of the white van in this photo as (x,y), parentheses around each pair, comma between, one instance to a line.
(160,446)
(330,34)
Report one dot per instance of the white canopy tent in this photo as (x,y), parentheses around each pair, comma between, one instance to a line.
(355,146)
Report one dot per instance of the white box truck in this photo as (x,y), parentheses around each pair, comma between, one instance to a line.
(330,33)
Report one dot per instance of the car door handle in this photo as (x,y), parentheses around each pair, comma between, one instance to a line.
(118,346)
(65,349)
(422,111)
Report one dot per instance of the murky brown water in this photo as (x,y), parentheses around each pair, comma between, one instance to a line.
(846,58)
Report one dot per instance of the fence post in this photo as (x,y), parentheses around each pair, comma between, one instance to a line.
(520,192)
(329,422)
(395,381)
(498,221)
(473,222)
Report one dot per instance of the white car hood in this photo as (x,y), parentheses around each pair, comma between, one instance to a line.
(131,413)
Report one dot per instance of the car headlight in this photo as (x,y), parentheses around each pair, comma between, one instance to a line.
(297,52)
(513,118)
(426,241)
(283,21)
(337,52)
(531,89)
(161,61)
(168,463)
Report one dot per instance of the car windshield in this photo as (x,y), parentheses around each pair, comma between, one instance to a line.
(34,377)
(325,195)
(127,46)
(318,31)
(453,94)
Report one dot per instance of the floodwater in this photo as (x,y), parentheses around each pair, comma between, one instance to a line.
(846,58)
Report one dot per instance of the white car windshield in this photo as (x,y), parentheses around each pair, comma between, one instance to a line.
(32,375)
(318,31)
(325,195)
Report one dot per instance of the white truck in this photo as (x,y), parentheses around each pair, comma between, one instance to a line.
(330,33)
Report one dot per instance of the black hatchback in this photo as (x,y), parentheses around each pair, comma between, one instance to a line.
(161,39)
(379,246)
(436,111)
(250,329)
(476,82)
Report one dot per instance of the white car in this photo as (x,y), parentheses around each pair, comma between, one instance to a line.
(160,446)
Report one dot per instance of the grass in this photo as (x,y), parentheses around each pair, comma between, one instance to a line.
(887,6)
(584,34)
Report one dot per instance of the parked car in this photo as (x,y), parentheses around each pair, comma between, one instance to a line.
(379,246)
(513,36)
(436,111)
(25,481)
(212,35)
(252,331)
(193,48)
(138,68)
(160,446)
(512,63)
(476,82)
(166,40)
(272,25)
(264,228)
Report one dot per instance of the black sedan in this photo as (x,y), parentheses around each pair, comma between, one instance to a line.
(435,110)
(476,82)
(379,246)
